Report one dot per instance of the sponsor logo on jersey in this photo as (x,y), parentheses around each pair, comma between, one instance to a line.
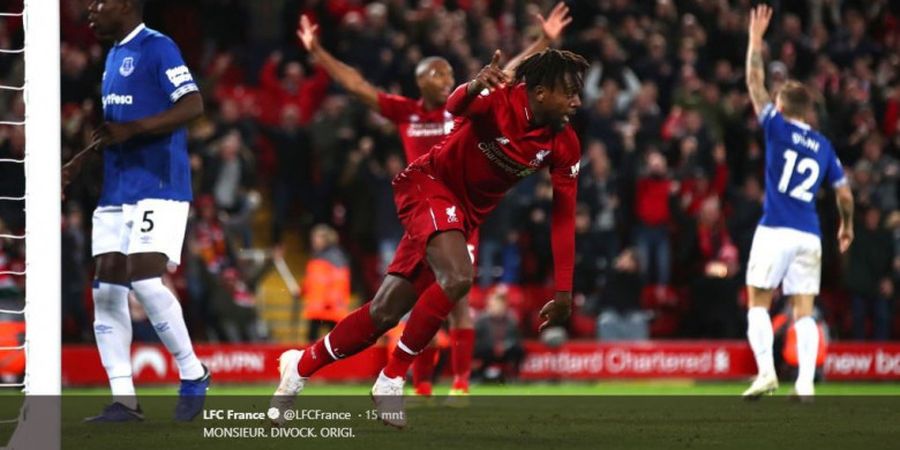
(127,67)
(117,99)
(179,75)
(496,155)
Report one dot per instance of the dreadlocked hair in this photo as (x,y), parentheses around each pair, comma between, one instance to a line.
(550,67)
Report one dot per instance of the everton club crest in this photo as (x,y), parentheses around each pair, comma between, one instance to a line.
(127,66)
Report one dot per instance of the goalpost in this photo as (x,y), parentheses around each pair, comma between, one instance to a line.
(39,424)
(39,421)
(42,198)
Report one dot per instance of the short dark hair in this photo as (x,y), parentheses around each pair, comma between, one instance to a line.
(796,99)
(550,67)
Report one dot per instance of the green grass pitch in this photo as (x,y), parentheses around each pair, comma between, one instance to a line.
(607,415)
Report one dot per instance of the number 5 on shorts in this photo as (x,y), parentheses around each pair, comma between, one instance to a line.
(147,222)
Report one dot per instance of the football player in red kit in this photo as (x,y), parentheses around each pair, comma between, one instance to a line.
(508,129)
(422,124)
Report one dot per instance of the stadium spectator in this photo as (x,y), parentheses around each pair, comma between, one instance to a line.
(620,315)
(868,277)
(230,176)
(685,57)
(498,345)
(883,170)
(75,253)
(326,286)
(653,192)
(712,259)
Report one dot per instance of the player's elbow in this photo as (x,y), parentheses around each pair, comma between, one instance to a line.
(195,106)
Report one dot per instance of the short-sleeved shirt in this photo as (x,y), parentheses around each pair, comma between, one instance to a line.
(145,75)
(420,129)
(798,160)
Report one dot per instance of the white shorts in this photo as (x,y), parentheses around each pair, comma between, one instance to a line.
(785,256)
(150,226)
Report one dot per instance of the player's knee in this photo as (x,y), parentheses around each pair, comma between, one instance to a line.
(154,296)
(383,316)
(456,284)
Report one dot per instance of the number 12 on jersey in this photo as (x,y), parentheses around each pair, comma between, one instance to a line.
(806,167)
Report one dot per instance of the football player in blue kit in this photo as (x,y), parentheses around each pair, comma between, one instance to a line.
(148,97)
(787,245)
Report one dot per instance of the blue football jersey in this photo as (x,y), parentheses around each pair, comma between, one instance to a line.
(798,160)
(144,76)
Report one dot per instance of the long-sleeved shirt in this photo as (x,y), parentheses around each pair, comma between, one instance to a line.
(493,146)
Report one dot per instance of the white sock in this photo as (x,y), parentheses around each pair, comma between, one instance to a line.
(807,349)
(164,313)
(112,330)
(760,336)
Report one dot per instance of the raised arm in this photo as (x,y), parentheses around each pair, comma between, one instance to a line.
(348,77)
(845,209)
(756,72)
(551,27)
(466,99)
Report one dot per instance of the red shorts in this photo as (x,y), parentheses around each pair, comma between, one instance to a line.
(425,207)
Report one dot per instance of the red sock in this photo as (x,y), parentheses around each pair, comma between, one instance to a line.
(424,322)
(462,344)
(351,335)
(423,370)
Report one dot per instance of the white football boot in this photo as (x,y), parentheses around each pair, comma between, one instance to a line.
(289,386)
(387,393)
(765,383)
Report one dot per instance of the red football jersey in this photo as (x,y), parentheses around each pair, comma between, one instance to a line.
(419,128)
(493,147)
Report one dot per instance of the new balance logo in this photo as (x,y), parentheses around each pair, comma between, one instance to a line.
(179,75)
(451,215)
(539,158)
(573,171)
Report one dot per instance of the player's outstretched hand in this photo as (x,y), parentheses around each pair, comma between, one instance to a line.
(759,20)
(556,22)
(306,31)
(490,77)
(845,238)
(556,311)
(111,133)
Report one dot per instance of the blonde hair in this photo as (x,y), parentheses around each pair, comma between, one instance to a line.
(795,99)
(329,235)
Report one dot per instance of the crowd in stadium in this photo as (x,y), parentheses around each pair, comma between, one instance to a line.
(670,188)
